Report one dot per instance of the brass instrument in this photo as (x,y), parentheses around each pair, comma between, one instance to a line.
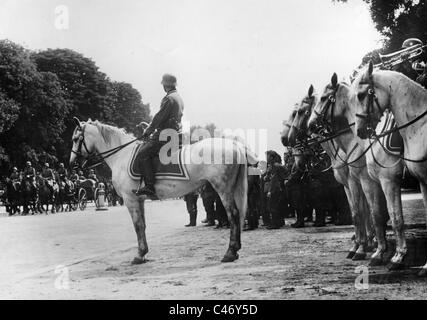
(390,60)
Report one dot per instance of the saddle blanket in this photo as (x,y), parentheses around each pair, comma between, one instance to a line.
(393,143)
(175,170)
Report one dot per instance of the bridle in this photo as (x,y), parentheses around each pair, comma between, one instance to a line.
(82,143)
(96,157)
(371,103)
(330,104)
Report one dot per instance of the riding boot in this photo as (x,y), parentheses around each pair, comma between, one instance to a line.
(300,220)
(320,218)
(141,182)
(149,174)
(193,218)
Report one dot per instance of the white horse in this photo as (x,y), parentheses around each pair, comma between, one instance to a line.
(358,206)
(407,100)
(229,178)
(375,172)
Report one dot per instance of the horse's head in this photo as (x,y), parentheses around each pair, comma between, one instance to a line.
(370,101)
(84,137)
(298,129)
(332,109)
(287,127)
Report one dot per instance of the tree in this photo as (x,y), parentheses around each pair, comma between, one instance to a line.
(33,107)
(127,108)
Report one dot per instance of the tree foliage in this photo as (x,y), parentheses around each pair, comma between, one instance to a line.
(40,93)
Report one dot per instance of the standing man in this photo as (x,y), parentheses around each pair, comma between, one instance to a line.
(191,202)
(208,195)
(169,117)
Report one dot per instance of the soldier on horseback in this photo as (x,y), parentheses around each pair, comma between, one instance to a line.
(169,117)
(29,174)
(93,176)
(62,172)
(15,176)
(48,176)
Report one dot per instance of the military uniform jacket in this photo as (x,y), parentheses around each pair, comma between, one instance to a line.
(169,116)
(62,172)
(29,173)
(15,176)
(48,174)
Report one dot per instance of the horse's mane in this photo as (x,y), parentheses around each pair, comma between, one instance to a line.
(108,131)
(412,86)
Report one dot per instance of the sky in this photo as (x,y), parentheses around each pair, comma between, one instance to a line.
(239,63)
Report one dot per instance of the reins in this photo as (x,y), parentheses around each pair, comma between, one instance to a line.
(372,98)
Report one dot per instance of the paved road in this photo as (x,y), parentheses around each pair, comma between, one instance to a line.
(184,262)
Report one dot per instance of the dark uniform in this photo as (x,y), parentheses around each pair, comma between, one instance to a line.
(276,190)
(191,202)
(169,117)
(254,194)
(62,173)
(208,195)
(29,174)
(93,176)
(15,176)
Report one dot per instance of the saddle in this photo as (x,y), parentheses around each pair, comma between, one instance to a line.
(176,170)
(393,143)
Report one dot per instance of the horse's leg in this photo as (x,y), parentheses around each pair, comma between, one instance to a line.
(392,192)
(235,227)
(378,209)
(423,186)
(137,212)
(356,202)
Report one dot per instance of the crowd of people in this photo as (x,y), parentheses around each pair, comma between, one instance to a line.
(30,188)
(278,192)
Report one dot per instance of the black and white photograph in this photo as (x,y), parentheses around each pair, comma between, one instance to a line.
(213,150)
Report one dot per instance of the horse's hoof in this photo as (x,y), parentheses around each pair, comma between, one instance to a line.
(230,257)
(359,256)
(350,254)
(423,273)
(138,260)
(376,262)
(393,266)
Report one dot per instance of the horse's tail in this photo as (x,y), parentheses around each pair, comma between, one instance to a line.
(241,190)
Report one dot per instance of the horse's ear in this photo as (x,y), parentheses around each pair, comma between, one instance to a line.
(370,68)
(310,91)
(334,80)
(77,122)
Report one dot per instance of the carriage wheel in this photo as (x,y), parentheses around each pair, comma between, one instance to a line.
(82,203)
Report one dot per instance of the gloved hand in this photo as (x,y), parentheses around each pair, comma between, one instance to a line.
(146,134)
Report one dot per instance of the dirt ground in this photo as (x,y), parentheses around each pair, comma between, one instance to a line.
(184,263)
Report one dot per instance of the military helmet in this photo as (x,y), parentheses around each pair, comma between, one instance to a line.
(411,42)
(168,80)
(28,163)
(46,164)
(61,164)
(15,169)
